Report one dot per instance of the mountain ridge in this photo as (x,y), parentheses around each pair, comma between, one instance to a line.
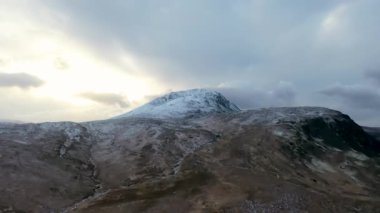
(291,159)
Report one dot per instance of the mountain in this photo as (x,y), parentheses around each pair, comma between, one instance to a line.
(299,159)
(184,103)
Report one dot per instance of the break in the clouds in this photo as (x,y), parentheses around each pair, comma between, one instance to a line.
(246,49)
(106,98)
(21,80)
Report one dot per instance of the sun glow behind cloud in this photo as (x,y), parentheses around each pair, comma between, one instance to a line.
(335,25)
(93,59)
(67,67)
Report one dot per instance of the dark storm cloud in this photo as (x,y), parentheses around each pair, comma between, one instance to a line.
(355,96)
(21,80)
(361,102)
(106,98)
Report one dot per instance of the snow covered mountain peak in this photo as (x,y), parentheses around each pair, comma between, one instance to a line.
(183,103)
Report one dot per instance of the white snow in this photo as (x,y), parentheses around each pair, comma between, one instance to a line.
(356,155)
(180,104)
(278,132)
(320,166)
(73,134)
(277,115)
(352,174)
(20,142)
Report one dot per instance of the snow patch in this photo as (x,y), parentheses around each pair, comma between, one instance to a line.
(320,166)
(335,149)
(289,115)
(184,103)
(20,142)
(278,133)
(356,155)
(347,169)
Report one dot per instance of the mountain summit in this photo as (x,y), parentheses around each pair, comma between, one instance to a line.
(218,159)
(184,103)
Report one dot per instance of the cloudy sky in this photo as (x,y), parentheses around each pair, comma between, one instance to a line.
(93,59)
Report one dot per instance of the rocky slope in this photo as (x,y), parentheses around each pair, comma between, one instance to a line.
(216,160)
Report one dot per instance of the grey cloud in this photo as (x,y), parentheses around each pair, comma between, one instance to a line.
(106,98)
(283,94)
(21,80)
(203,43)
(200,41)
(355,96)
(361,102)
(374,76)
